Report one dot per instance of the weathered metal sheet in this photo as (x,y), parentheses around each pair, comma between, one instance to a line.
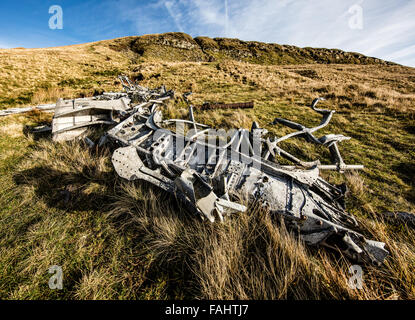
(73,117)
(214,180)
(43,108)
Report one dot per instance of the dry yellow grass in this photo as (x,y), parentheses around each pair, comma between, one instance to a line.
(63,204)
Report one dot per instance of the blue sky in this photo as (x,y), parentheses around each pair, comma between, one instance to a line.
(379,28)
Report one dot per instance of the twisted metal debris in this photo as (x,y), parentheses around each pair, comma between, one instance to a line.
(44,108)
(214,180)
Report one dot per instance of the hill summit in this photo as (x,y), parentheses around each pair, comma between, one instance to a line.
(175,46)
(62,203)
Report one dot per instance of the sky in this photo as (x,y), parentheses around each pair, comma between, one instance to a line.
(378,28)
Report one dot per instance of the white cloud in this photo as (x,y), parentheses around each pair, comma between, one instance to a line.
(175,14)
(403,53)
(388,26)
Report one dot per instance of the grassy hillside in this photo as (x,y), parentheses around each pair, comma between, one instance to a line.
(64,205)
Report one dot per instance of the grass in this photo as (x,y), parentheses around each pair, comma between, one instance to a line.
(62,204)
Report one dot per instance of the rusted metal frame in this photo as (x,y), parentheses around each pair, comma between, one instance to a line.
(307,131)
(12,111)
(267,167)
(185,121)
(215,106)
(83,125)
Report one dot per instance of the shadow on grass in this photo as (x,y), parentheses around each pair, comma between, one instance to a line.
(68,191)
(31,130)
(156,276)
(167,245)
(406,171)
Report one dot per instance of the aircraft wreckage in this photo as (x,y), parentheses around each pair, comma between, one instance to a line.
(214,172)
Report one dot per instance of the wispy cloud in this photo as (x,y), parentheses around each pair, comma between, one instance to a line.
(406,52)
(175,14)
(388,26)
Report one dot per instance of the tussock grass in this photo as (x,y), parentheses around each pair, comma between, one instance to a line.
(49,95)
(116,239)
(252,256)
(62,204)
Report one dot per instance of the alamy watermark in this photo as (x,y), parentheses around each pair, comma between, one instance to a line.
(356,280)
(56,20)
(56,281)
(356,20)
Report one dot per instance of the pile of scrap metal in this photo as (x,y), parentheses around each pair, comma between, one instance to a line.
(215,180)
(43,108)
(73,117)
